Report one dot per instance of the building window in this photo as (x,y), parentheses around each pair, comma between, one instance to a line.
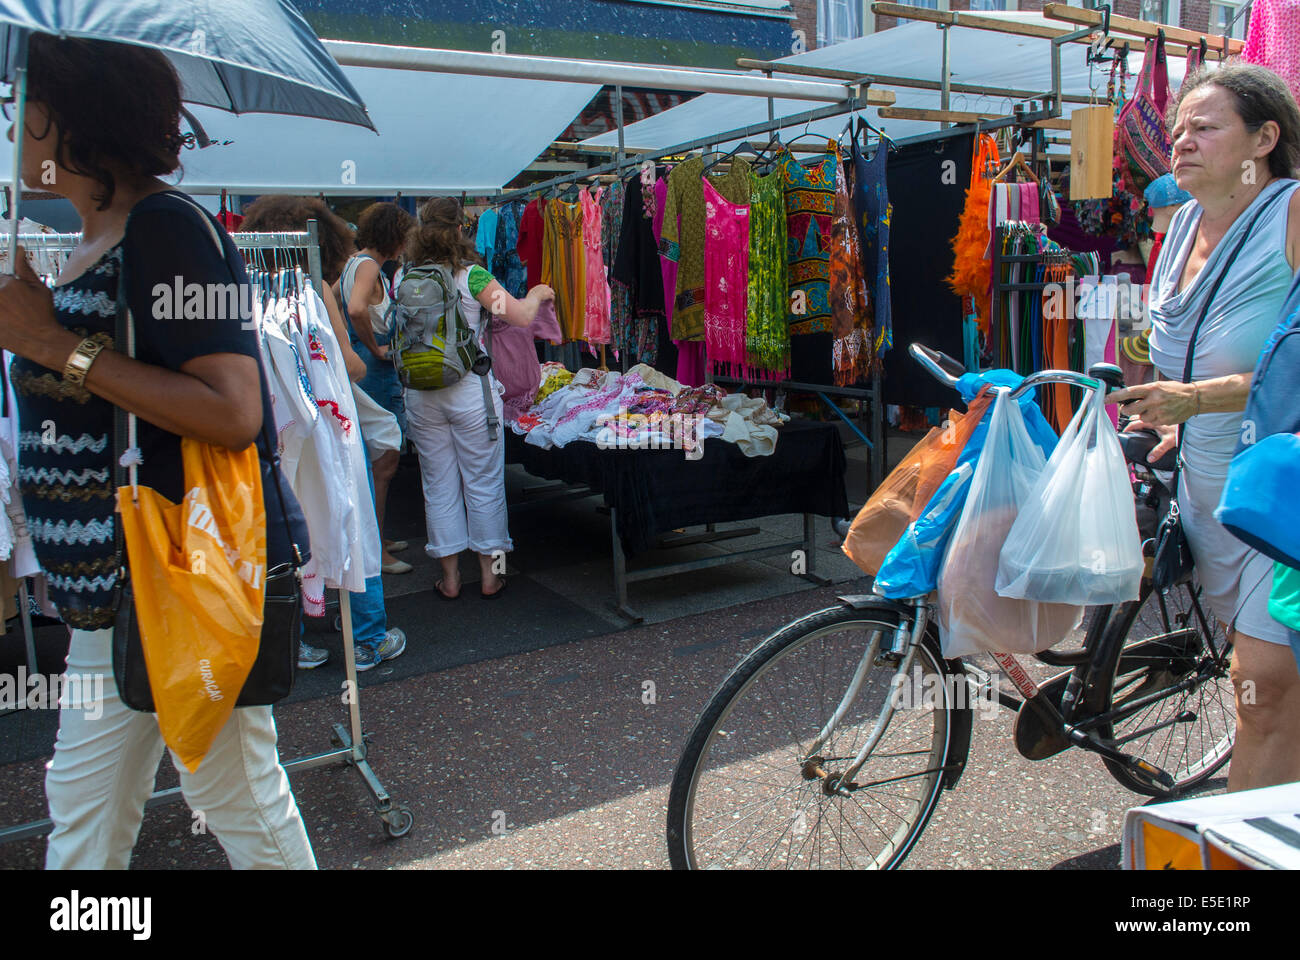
(1155,11)
(1221,19)
(988,4)
(838,20)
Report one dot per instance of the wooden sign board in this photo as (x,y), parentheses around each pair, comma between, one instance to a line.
(1092,144)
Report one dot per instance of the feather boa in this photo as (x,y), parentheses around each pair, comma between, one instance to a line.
(970,271)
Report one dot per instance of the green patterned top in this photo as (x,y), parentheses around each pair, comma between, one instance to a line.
(683,235)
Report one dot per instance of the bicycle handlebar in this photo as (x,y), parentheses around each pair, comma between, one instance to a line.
(1105,377)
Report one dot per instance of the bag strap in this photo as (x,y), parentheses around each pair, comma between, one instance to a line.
(1205,311)
(1148,69)
(125,423)
(1160,76)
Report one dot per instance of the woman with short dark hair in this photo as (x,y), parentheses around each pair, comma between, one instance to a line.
(1236,137)
(105,118)
(363,291)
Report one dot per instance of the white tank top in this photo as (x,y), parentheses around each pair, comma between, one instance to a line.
(378,311)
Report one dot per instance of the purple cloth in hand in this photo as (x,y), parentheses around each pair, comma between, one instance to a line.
(514,357)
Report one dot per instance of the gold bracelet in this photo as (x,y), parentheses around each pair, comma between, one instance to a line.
(80,360)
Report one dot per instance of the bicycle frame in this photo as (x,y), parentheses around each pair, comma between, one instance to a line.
(906,641)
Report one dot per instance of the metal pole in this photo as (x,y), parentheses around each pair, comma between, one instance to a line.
(618,120)
(821,113)
(313,257)
(945,74)
(348,53)
(20,126)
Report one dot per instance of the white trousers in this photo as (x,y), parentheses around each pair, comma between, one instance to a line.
(463,471)
(105,759)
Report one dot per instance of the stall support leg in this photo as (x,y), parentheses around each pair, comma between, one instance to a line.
(620,571)
(880,454)
(810,552)
(25,617)
(350,665)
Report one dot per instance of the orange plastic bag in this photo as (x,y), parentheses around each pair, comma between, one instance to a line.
(908,488)
(198,572)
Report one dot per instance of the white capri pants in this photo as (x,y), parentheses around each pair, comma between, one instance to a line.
(105,759)
(463,470)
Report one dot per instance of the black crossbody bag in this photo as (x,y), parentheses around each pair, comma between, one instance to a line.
(1172,563)
(272,674)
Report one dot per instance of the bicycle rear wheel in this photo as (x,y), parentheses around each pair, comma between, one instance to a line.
(746,793)
(1190,733)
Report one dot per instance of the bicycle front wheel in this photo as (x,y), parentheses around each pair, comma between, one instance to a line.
(754,790)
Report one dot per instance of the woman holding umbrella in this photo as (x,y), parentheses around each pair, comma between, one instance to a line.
(104,119)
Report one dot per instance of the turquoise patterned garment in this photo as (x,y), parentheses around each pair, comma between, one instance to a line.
(809,207)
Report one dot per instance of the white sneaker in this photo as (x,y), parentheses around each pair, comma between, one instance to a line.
(393,645)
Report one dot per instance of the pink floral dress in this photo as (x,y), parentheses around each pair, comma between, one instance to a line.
(598,297)
(726,278)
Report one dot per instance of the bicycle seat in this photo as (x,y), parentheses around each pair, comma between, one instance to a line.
(1138,445)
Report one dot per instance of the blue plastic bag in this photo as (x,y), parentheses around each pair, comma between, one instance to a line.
(911,569)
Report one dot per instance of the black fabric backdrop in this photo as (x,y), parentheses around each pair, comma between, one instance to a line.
(655,491)
(927,212)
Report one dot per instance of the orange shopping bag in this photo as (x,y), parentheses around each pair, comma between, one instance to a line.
(198,573)
(908,488)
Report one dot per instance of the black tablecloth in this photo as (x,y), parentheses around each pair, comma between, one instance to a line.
(654,491)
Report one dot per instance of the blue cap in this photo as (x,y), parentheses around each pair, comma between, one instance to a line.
(1165,192)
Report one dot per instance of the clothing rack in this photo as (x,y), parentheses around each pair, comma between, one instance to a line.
(348,742)
(1052,399)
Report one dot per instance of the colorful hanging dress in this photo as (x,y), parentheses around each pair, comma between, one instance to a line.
(564,266)
(809,207)
(767,332)
(684,231)
(726,280)
(851,318)
(597,312)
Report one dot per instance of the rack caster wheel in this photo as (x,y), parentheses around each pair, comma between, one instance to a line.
(398,821)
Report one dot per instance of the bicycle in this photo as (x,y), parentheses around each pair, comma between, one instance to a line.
(850,721)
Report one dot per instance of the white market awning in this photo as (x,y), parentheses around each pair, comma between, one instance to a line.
(439,133)
(913,50)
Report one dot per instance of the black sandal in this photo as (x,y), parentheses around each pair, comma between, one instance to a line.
(500,590)
(437,587)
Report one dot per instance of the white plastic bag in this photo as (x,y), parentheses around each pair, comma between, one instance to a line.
(1076,539)
(972,617)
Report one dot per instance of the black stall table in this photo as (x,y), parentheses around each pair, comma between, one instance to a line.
(652,492)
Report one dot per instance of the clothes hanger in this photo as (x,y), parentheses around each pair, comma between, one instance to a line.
(884,138)
(1017,163)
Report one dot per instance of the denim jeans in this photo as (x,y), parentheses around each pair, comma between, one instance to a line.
(369,621)
(381,380)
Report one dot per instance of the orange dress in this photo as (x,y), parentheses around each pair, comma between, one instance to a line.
(564,266)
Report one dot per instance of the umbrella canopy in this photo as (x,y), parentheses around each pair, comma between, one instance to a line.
(245,56)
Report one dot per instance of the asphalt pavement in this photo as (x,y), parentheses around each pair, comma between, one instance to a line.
(521,733)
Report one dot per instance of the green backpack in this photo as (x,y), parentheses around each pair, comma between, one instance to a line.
(434,346)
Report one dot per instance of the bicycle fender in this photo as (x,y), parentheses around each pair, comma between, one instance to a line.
(869,601)
(961,721)
(961,718)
